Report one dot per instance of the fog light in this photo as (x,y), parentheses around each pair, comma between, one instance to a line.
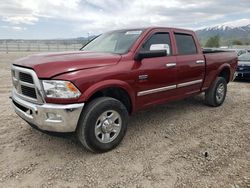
(54,117)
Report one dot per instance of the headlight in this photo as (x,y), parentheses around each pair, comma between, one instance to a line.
(60,89)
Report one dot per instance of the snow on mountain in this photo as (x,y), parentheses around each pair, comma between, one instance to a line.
(230,25)
(227,27)
(230,31)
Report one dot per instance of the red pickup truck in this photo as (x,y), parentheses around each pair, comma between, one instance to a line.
(93,91)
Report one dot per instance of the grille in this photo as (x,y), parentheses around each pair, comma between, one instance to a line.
(243,68)
(26,84)
(28,91)
(26,78)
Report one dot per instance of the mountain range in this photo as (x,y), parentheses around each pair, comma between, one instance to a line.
(228,34)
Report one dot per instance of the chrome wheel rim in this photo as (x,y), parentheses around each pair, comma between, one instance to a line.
(220,92)
(108,126)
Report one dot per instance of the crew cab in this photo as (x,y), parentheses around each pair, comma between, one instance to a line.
(93,91)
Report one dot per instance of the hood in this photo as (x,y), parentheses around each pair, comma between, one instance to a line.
(47,65)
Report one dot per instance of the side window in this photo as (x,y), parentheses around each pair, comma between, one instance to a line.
(158,41)
(185,44)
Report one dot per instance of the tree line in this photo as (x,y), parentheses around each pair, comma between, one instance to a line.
(214,42)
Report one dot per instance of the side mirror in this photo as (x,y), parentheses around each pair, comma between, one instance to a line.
(160,47)
(150,54)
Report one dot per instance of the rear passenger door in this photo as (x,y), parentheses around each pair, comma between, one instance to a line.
(190,64)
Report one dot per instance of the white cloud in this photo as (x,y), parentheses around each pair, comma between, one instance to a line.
(20,19)
(237,23)
(30,11)
(16,28)
(101,15)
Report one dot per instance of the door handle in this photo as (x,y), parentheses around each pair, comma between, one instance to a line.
(200,61)
(168,65)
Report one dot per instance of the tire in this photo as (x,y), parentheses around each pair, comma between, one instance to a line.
(216,94)
(102,117)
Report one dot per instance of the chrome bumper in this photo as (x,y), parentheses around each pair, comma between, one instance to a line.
(48,117)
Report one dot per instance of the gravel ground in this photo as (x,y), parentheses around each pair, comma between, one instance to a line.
(180,144)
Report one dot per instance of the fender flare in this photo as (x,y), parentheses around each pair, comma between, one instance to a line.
(108,84)
(221,68)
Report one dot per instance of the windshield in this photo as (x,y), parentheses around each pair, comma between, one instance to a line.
(244,57)
(118,42)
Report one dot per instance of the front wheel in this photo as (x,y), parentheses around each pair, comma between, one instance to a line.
(102,124)
(216,94)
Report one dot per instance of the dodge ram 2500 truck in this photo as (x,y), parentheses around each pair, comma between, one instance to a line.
(93,91)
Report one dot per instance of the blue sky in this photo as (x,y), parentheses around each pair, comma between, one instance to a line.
(50,19)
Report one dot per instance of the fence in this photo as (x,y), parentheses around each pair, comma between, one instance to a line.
(40,45)
(52,45)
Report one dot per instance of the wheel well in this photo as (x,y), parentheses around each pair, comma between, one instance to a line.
(225,73)
(116,93)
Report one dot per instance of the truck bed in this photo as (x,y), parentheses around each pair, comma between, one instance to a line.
(209,51)
(214,59)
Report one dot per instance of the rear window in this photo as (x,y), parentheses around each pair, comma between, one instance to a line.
(185,44)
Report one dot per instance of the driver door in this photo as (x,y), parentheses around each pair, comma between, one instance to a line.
(156,76)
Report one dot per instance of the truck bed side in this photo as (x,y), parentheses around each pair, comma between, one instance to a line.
(216,63)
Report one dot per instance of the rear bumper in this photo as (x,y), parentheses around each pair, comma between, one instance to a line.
(48,117)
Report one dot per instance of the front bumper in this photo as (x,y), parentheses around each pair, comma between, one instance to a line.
(243,71)
(243,74)
(48,117)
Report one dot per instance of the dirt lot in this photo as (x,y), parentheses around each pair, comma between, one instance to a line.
(181,144)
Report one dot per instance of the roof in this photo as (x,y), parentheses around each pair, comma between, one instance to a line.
(153,27)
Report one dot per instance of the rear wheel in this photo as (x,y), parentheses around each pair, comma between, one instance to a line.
(216,94)
(103,124)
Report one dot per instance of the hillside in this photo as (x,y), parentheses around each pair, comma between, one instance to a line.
(227,34)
